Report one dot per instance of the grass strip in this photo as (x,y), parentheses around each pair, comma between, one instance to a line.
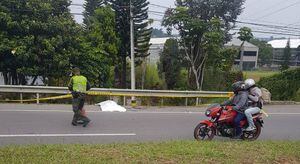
(163,152)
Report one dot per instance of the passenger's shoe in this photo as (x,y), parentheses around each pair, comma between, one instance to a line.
(250,128)
(86,123)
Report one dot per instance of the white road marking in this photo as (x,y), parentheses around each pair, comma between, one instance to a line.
(65,135)
(133,112)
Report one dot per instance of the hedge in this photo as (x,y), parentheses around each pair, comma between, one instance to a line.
(284,85)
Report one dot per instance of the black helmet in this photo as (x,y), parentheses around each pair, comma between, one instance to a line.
(238,86)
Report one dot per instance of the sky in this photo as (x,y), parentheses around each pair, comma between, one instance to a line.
(271,12)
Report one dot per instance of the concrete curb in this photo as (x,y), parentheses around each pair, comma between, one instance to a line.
(283,103)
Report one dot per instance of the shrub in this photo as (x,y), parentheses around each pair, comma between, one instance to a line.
(297,97)
(283,86)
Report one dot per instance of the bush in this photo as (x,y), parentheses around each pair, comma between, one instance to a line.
(283,86)
(297,97)
(216,80)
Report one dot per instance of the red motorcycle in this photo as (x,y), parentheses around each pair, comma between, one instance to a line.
(221,124)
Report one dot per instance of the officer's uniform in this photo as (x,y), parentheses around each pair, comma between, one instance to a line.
(79,85)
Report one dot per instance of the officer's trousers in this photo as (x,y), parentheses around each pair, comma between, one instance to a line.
(77,104)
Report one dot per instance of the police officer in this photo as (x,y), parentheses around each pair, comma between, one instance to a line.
(78,86)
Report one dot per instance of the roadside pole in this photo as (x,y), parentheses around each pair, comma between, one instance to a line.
(133,100)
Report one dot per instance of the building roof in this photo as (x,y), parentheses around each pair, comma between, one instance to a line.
(281,43)
(237,42)
(234,42)
(159,40)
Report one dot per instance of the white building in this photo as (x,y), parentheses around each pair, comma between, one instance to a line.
(278,51)
(250,54)
(249,60)
(156,48)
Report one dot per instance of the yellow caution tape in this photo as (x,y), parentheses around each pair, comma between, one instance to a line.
(93,93)
(41,99)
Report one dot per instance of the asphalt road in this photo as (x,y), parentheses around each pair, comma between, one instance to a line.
(51,124)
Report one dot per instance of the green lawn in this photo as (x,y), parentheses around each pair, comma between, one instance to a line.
(165,152)
(256,75)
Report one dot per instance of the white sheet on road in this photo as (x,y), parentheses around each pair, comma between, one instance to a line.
(110,106)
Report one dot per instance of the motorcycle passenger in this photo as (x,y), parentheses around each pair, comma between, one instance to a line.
(239,103)
(256,103)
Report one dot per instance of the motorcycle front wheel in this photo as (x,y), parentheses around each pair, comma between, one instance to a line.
(252,135)
(204,132)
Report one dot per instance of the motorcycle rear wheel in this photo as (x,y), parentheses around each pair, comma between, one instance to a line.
(203,132)
(252,135)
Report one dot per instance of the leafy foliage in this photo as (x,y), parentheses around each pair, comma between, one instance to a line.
(99,47)
(170,62)
(152,79)
(141,32)
(37,39)
(265,52)
(283,86)
(89,9)
(286,57)
(245,34)
(203,27)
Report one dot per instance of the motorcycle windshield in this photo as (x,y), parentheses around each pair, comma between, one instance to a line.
(212,106)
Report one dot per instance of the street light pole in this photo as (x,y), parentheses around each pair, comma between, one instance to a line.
(133,101)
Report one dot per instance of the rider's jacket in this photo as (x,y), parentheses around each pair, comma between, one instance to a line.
(239,101)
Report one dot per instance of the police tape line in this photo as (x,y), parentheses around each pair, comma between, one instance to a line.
(93,93)
(41,99)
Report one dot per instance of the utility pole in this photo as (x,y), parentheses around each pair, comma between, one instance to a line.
(133,101)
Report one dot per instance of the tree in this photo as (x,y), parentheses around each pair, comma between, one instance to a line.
(203,27)
(42,37)
(286,57)
(170,62)
(265,52)
(245,34)
(142,33)
(89,9)
(100,47)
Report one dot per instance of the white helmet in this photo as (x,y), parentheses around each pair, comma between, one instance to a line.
(249,83)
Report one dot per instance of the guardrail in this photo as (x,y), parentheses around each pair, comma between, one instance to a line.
(112,92)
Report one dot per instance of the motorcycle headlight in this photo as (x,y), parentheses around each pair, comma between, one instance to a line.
(207,113)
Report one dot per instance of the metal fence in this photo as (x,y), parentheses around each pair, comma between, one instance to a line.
(108,92)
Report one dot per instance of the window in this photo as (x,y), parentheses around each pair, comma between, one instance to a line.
(250,53)
(247,53)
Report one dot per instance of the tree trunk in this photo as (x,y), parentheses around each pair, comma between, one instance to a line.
(5,76)
(202,77)
(144,73)
(242,55)
(196,77)
(33,81)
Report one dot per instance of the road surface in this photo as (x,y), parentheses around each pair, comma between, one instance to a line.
(51,124)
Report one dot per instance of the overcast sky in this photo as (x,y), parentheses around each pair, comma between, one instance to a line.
(275,12)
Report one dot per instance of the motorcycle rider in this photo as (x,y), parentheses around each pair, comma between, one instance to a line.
(256,102)
(240,104)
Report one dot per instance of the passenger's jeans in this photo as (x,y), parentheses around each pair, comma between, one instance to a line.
(249,112)
(238,118)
